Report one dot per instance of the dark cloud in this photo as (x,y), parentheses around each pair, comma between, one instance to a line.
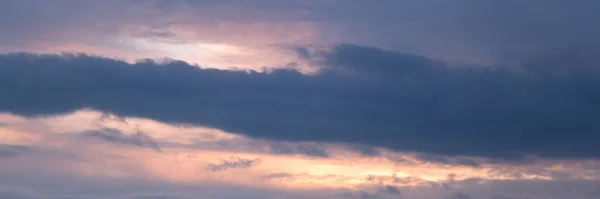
(392,190)
(467,162)
(364,150)
(233,163)
(362,96)
(303,53)
(466,30)
(309,149)
(113,135)
(525,189)
(448,160)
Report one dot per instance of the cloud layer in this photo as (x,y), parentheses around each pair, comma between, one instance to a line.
(362,96)
(347,99)
(54,157)
(253,33)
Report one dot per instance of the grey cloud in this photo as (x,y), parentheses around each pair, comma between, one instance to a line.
(364,150)
(509,30)
(309,149)
(159,196)
(27,194)
(233,163)
(596,191)
(158,35)
(546,172)
(367,195)
(381,193)
(30,194)
(500,196)
(382,182)
(363,95)
(7,151)
(49,186)
(433,158)
(392,190)
(467,162)
(25,23)
(525,189)
(394,179)
(458,195)
(102,188)
(448,160)
(113,135)
(397,159)
(463,30)
(303,53)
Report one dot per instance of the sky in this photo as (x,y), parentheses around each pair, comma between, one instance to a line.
(290,99)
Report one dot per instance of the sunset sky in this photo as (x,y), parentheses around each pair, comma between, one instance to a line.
(299,99)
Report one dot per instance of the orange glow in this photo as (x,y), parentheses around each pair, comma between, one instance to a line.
(185,156)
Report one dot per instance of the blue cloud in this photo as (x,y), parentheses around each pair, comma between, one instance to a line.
(363,95)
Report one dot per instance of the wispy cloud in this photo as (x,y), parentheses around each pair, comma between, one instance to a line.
(233,163)
(112,135)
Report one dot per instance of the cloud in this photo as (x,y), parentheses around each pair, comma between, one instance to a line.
(102,171)
(305,177)
(364,149)
(458,195)
(382,193)
(113,135)
(446,160)
(363,96)
(233,163)
(392,190)
(7,151)
(145,29)
(18,193)
(499,196)
(462,30)
(309,149)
